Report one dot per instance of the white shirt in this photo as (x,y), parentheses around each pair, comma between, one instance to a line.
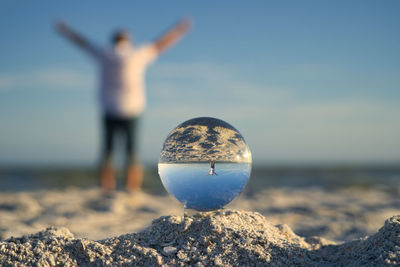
(122,82)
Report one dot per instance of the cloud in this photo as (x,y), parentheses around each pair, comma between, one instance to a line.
(195,70)
(352,130)
(207,84)
(45,78)
(278,123)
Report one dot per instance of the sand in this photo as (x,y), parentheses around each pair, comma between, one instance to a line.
(349,227)
(221,238)
(339,215)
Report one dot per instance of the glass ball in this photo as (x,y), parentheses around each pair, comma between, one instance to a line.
(204,163)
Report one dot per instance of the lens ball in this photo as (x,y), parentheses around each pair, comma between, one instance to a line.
(204,163)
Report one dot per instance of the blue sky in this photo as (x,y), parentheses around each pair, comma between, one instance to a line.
(303,81)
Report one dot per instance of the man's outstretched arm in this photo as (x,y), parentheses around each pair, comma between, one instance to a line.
(173,35)
(70,34)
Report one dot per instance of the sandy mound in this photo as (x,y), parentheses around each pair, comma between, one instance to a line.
(221,238)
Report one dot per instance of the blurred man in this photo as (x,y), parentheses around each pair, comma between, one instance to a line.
(122,93)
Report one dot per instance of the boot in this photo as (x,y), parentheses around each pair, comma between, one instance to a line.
(134,178)
(107,178)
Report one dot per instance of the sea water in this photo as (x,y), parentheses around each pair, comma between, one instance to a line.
(194,186)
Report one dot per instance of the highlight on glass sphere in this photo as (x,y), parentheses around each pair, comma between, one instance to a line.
(204,163)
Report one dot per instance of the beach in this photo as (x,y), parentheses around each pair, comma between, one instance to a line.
(316,225)
(275,125)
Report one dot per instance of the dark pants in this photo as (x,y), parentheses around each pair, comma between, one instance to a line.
(123,128)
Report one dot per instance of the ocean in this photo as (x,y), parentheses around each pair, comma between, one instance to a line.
(327,177)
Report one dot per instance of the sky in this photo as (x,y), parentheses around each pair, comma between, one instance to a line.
(305,82)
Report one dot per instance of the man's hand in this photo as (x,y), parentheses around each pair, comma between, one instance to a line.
(184,25)
(61,26)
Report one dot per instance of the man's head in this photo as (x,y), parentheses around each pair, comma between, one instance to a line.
(120,36)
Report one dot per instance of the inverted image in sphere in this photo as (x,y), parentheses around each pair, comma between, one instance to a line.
(204,163)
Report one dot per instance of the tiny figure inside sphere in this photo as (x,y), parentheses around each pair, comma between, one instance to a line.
(212,169)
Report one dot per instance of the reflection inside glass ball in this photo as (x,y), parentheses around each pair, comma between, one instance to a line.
(205,163)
